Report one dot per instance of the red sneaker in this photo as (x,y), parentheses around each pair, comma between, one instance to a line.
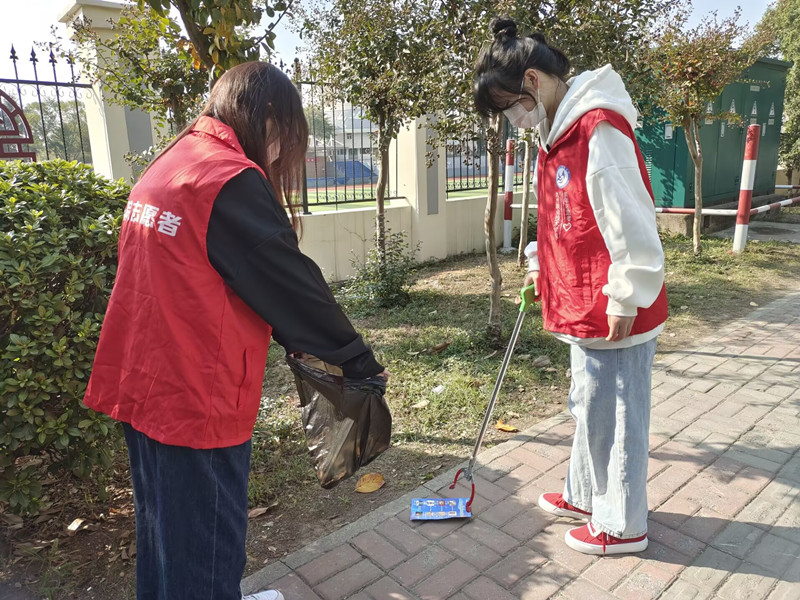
(556,505)
(588,540)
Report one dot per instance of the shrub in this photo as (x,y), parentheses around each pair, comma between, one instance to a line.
(59,226)
(372,287)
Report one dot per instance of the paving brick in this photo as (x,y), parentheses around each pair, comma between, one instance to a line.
(671,479)
(490,536)
(770,504)
(502,512)
(681,590)
(349,581)
(386,588)
(607,573)
(532,459)
(484,588)
(329,564)
(788,524)
(746,584)
(688,546)
(446,581)
(687,456)
(751,480)
(665,558)
(704,525)
(402,536)
(378,549)
(738,539)
(435,530)
(710,569)
(421,565)
(544,583)
(647,582)
(704,491)
(498,467)
(582,590)
(785,590)
(291,586)
(516,566)
(518,478)
(675,512)
(470,550)
(528,523)
(550,544)
(774,555)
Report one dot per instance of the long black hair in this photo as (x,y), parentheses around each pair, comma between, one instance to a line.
(502,64)
(246,98)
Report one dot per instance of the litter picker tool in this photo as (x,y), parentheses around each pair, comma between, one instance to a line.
(434,509)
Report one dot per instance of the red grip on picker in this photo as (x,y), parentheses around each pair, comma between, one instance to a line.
(471,496)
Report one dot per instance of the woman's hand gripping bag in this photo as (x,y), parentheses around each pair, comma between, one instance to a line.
(346,421)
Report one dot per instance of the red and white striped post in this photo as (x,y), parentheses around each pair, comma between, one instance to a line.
(746,191)
(509,196)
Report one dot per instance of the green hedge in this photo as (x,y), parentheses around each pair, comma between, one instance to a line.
(59,226)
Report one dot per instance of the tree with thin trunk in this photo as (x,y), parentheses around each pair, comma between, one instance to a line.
(375,54)
(690,68)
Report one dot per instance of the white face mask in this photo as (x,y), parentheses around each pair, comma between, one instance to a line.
(522,118)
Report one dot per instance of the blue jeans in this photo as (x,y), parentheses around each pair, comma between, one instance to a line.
(191,519)
(610,402)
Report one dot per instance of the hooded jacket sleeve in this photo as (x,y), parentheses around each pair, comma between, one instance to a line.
(626,217)
(253,247)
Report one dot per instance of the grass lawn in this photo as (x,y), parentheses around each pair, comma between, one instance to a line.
(437,400)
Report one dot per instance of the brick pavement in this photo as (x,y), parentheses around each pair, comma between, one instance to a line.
(723,490)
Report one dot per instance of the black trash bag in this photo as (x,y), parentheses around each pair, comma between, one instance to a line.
(346,421)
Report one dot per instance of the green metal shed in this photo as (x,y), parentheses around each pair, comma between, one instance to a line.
(758,99)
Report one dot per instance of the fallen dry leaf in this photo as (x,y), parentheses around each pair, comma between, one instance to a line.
(370,483)
(440,347)
(257,512)
(505,427)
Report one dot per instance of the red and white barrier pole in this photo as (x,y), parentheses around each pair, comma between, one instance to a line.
(509,196)
(746,191)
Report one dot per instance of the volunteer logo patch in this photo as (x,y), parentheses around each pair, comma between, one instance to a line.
(562,177)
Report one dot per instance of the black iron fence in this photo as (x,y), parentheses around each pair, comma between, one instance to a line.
(467,166)
(342,161)
(42,117)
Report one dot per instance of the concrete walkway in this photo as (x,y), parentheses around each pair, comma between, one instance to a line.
(723,492)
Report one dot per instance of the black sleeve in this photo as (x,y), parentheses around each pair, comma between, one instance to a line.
(252,245)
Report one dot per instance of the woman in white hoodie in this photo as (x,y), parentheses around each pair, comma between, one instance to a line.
(599,267)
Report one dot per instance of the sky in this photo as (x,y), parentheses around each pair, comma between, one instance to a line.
(33,19)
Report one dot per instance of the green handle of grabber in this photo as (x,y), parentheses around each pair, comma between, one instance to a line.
(528,295)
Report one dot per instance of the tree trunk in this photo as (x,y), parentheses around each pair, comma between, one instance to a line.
(493,330)
(526,197)
(380,194)
(195,33)
(691,130)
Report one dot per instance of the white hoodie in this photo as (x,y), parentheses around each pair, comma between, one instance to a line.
(622,205)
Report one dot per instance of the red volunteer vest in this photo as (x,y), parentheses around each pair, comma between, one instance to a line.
(573,257)
(181,357)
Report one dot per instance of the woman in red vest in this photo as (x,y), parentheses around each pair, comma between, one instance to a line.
(210,270)
(599,267)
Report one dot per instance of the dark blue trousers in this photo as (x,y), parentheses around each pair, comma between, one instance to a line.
(191,519)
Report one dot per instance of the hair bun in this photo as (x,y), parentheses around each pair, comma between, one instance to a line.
(503,27)
(539,37)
